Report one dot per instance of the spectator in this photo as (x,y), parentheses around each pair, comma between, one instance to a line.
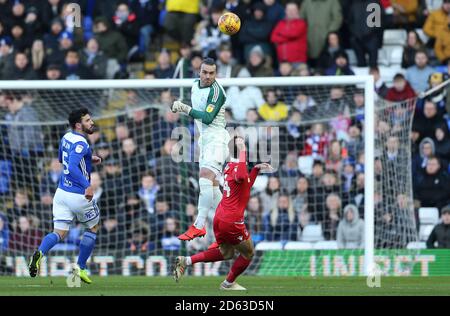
(289,173)
(134,209)
(316,142)
(147,13)
(181,18)
(355,142)
(169,240)
(295,132)
(380,87)
(331,220)
(350,232)
(304,103)
(336,103)
(270,195)
(317,173)
(253,218)
(196,63)
(290,36)
(208,38)
(113,184)
(51,39)
(332,46)
(256,31)
(21,69)
(283,221)
(405,12)
(242,99)
(38,58)
(21,42)
(432,188)
(430,120)
(340,66)
(436,22)
(73,69)
(127,24)
(273,110)
(440,235)
(401,91)
(442,143)
(335,156)
(300,195)
(111,42)
(133,164)
(364,38)
(274,11)
(56,55)
(413,45)
(165,69)
(328,185)
(140,241)
(50,179)
(4,233)
(227,66)
(6,55)
(111,235)
(94,59)
(348,176)
(148,191)
(420,160)
(258,64)
(418,74)
(442,46)
(51,10)
(25,236)
(323,17)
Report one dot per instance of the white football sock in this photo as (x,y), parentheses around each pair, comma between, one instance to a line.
(188,261)
(217,198)
(205,201)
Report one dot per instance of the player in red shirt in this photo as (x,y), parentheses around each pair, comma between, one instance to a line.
(229,228)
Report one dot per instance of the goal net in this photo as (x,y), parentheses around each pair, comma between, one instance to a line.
(311,216)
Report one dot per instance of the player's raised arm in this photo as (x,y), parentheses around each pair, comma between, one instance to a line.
(240,172)
(256,169)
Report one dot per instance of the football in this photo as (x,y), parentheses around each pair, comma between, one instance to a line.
(229,23)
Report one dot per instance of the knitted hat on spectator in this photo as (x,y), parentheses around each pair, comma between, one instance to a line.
(445,209)
(57,20)
(53,67)
(257,50)
(65,35)
(259,6)
(6,40)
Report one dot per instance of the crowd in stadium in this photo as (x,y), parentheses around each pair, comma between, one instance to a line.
(165,39)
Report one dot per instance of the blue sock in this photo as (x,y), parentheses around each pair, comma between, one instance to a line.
(49,242)
(86,246)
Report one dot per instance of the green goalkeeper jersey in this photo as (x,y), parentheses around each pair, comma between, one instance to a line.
(208,107)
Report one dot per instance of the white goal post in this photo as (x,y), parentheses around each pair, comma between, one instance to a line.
(363,82)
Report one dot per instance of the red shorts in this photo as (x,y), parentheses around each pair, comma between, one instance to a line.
(230,233)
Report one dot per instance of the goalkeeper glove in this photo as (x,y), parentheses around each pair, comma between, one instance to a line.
(179,106)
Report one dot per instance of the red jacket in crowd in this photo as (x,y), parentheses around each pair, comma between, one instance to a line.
(290,38)
(395,96)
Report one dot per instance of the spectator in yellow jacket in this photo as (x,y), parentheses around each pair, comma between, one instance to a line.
(442,46)
(273,110)
(405,11)
(437,21)
(181,17)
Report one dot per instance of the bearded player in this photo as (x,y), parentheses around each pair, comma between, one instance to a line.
(74,196)
(229,228)
(208,99)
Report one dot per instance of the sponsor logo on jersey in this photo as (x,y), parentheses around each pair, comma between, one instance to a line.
(210,108)
(79,149)
(67,183)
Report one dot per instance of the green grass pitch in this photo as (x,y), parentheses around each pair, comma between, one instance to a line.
(208,286)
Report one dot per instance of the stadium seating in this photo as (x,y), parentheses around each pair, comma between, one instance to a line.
(312,233)
(298,245)
(326,244)
(428,215)
(269,245)
(425,231)
(416,245)
(394,37)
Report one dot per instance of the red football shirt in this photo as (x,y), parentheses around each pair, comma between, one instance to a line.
(236,191)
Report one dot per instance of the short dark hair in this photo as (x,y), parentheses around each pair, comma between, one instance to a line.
(209,61)
(72,50)
(76,115)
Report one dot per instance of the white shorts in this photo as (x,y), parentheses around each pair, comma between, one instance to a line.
(67,206)
(214,152)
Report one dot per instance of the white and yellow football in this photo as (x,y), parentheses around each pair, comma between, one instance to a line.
(229,23)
